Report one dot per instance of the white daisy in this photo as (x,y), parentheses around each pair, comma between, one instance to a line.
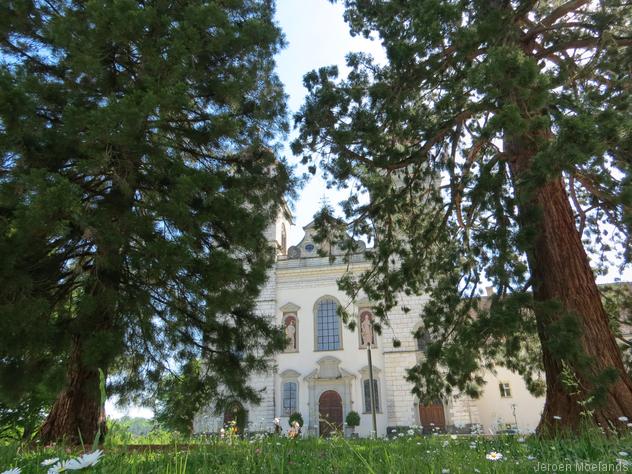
(15,470)
(56,469)
(49,462)
(623,418)
(90,459)
(493,456)
(623,454)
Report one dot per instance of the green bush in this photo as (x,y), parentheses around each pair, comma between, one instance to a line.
(296,416)
(353,419)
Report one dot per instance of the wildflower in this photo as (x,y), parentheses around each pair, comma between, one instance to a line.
(445,471)
(57,468)
(61,466)
(476,470)
(623,454)
(530,458)
(49,462)
(277,421)
(393,430)
(629,425)
(623,418)
(411,432)
(555,417)
(453,436)
(15,470)
(89,459)
(445,444)
(401,435)
(494,456)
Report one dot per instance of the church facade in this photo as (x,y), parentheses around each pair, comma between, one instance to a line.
(324,374)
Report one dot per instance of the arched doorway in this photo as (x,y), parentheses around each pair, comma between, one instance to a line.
(432,417)
(235,412)
(330,412)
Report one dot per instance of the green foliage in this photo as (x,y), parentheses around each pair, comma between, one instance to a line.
(296,416)
(179,397)
(353,419)
(138,174)
(617,299)
(429,137)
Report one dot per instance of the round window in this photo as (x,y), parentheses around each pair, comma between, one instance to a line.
(309,247)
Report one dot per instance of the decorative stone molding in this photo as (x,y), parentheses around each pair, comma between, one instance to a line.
(290,308)
(328,376)
(289,374)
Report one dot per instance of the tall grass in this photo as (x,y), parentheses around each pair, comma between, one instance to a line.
(408,454)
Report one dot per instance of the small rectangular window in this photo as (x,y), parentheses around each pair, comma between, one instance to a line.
(367,396)
(505,390)
(289,398)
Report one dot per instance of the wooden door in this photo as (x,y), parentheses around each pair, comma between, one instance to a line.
(235,412)
(330,411)
(432,417)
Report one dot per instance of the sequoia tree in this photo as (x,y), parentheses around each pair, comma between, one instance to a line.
(138,173)
(494,145)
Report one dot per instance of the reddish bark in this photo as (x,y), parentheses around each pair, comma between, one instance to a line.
(78,413)
(561,272)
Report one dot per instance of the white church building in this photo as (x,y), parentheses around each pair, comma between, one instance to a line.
(324,372)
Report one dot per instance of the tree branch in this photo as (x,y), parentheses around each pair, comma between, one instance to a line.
(562,10)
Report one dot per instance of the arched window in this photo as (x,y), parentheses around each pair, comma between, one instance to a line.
(328,330)
(289,398)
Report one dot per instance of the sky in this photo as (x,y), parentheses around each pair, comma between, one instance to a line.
(317,36)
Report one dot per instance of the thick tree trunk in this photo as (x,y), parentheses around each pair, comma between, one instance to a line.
(561,274)
(78,413)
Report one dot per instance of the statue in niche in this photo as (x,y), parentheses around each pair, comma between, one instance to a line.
(290,332)
(366,329)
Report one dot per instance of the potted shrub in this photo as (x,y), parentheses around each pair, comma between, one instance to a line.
(352,420)
(296,423)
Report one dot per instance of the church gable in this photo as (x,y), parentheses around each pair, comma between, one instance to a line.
(308,247)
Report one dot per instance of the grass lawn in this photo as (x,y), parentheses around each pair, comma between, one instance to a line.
(408,454)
